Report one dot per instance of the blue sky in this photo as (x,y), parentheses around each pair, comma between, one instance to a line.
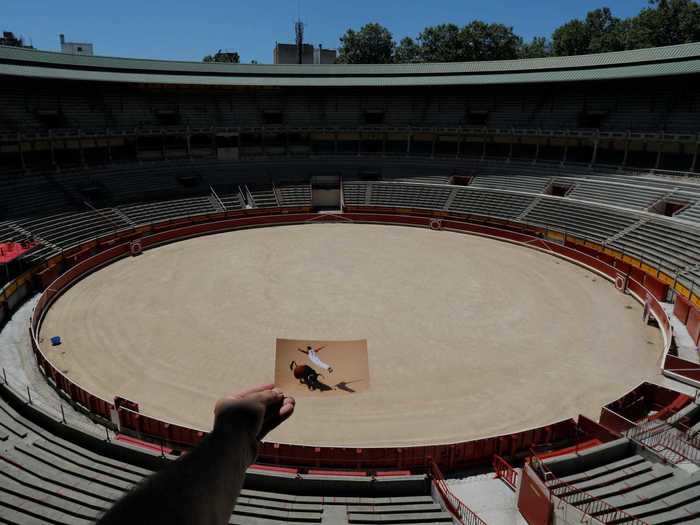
(177,30)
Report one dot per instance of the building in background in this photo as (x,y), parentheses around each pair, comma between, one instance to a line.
(75,48)
(287,54)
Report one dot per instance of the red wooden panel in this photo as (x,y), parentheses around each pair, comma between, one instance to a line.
(655,287)
(534,501)
(637,274)
(682,308)
(693,324)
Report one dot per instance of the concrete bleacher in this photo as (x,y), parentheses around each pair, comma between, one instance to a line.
(617,475)
(173,209)
(499,204)
(596,223)
(46,479)
(293,194)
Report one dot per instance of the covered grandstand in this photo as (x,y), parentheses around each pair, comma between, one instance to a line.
(593,159)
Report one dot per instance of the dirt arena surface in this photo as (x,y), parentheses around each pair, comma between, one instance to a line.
(468,337)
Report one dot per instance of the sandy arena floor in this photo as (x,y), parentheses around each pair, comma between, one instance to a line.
(468,337)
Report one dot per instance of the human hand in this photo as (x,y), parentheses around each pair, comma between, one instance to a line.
(268,406)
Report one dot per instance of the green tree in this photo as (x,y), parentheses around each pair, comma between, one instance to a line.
(475,41)
(229,57)
(571,38)
(482,41)
(665,23)
(605,31)
(408,52)
(372,44)
(441,43)
(538,47)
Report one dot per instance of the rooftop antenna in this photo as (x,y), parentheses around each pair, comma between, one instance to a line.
(299,32)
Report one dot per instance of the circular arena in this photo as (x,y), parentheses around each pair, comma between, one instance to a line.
(455,324)
(455,268)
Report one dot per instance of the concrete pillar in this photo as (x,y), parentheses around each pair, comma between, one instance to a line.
(20,151)
(659,154)
(537,153)
(483,148)
(188,143)
(594,156)
(694,162)
(510,150)
(52,151)
(565,154)
(108,136)
(624,156)
(460,140)
(408,145)
(81,149)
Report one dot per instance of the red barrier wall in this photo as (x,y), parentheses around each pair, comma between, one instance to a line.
(534,500)
(448,456)
(693,324)
(681,309)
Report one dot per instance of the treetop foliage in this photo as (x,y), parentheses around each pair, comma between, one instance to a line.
(662,23)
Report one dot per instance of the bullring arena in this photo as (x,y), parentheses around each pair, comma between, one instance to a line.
(481,281)
(507,336)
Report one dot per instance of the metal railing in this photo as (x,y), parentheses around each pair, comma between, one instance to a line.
(52,405)
(456,506)
(505,471)
(594,509)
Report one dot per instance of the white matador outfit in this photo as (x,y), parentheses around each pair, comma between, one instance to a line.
(313,357)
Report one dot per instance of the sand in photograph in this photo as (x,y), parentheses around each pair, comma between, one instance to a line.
(321,368)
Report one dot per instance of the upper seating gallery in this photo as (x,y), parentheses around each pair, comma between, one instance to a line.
(608,93)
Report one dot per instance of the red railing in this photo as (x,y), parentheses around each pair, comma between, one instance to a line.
(504,471)
(456,506)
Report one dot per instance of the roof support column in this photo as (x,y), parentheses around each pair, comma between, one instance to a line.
(510,150)
(109,145)
(52,150)
(659,152)
(408,145)
(594,156)
(694,162)
(565,154)
(627,149)
(20,151)
(460,139)
(537,153)
(81,149)
(188,143)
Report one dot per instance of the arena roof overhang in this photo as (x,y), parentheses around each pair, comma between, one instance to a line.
(654,62)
